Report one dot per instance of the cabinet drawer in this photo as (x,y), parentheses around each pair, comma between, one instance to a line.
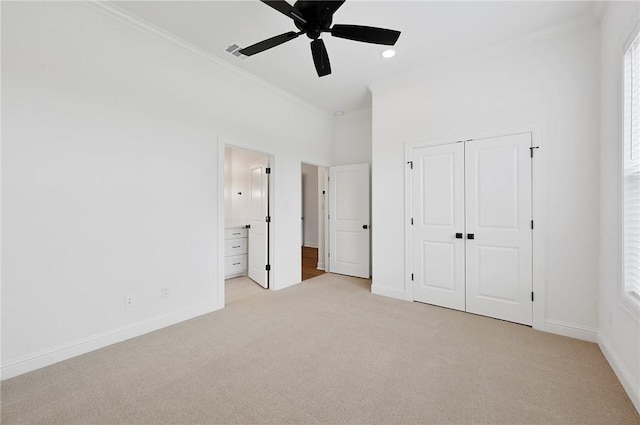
(235,265)
(235,247)
(235,232)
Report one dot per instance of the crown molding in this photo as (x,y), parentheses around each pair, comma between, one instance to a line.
(138,23)
(599,9)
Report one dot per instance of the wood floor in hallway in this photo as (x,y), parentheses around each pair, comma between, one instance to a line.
(310,263)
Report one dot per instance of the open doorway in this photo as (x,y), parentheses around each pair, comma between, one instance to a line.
(247,229)
(313,220)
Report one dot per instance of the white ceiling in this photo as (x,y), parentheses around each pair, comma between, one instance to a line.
(430,31)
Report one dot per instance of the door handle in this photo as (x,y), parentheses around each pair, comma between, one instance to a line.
(364,226)
(470,236)
(458,235)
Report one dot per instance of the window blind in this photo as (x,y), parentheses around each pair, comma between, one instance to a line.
(631,179)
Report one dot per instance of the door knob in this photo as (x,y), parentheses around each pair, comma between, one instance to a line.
(458,235)
(470,236)
(364,226)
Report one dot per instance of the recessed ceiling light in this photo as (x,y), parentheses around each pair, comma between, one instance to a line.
(387,54)
(338,113)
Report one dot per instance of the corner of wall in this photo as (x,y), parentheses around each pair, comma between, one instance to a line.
(388,292)
(571,330)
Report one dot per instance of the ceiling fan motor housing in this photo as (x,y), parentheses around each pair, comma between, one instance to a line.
(317,15)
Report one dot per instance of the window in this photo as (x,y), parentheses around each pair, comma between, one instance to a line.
(631,179)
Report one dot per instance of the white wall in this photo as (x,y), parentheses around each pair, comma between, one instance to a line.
(619,335)
(352,138)
(110,178)
(550,87)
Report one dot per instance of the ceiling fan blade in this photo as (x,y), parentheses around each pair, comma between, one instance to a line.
(286,9)
(320,57)
(330,7)
(269,43)
(366,34)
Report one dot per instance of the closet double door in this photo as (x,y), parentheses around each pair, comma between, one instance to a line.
(472,229)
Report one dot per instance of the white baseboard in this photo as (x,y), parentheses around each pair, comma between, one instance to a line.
(571,330)
(626,379)
(321,265)
(386,292)
(310,245)
(66,351)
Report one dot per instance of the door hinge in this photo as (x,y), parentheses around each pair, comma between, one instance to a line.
(531,224)
(410,164)
(268,219)
(268,170)
(532,148)
(268,267)
(329,217)
(532,296)
(329,254)
(412,276)
(412,221)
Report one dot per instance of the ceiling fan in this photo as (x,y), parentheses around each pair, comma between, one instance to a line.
(314,18)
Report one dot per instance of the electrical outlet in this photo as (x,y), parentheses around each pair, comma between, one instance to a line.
(129,300)
(164,292)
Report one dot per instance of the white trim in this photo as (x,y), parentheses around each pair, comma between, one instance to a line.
(220,225)
(387,292)
(223,142)
(624,376)
(627,300)
(128,18)
(408,235)
(633,33)
(327,222)
(310,245)
(599,9)
(571,330)
(66,351)
(539,286)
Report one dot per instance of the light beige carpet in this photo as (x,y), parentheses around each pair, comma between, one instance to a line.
(328,351)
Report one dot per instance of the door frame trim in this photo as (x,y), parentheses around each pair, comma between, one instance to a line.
(537,203)
(223,142)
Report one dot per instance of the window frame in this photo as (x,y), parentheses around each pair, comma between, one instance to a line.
(631,293)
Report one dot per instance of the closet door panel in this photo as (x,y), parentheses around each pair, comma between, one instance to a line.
(498,215)
(438,214)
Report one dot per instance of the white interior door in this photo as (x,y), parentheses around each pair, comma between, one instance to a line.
(438,217)
(258,230)
(349,238)
(498,215)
